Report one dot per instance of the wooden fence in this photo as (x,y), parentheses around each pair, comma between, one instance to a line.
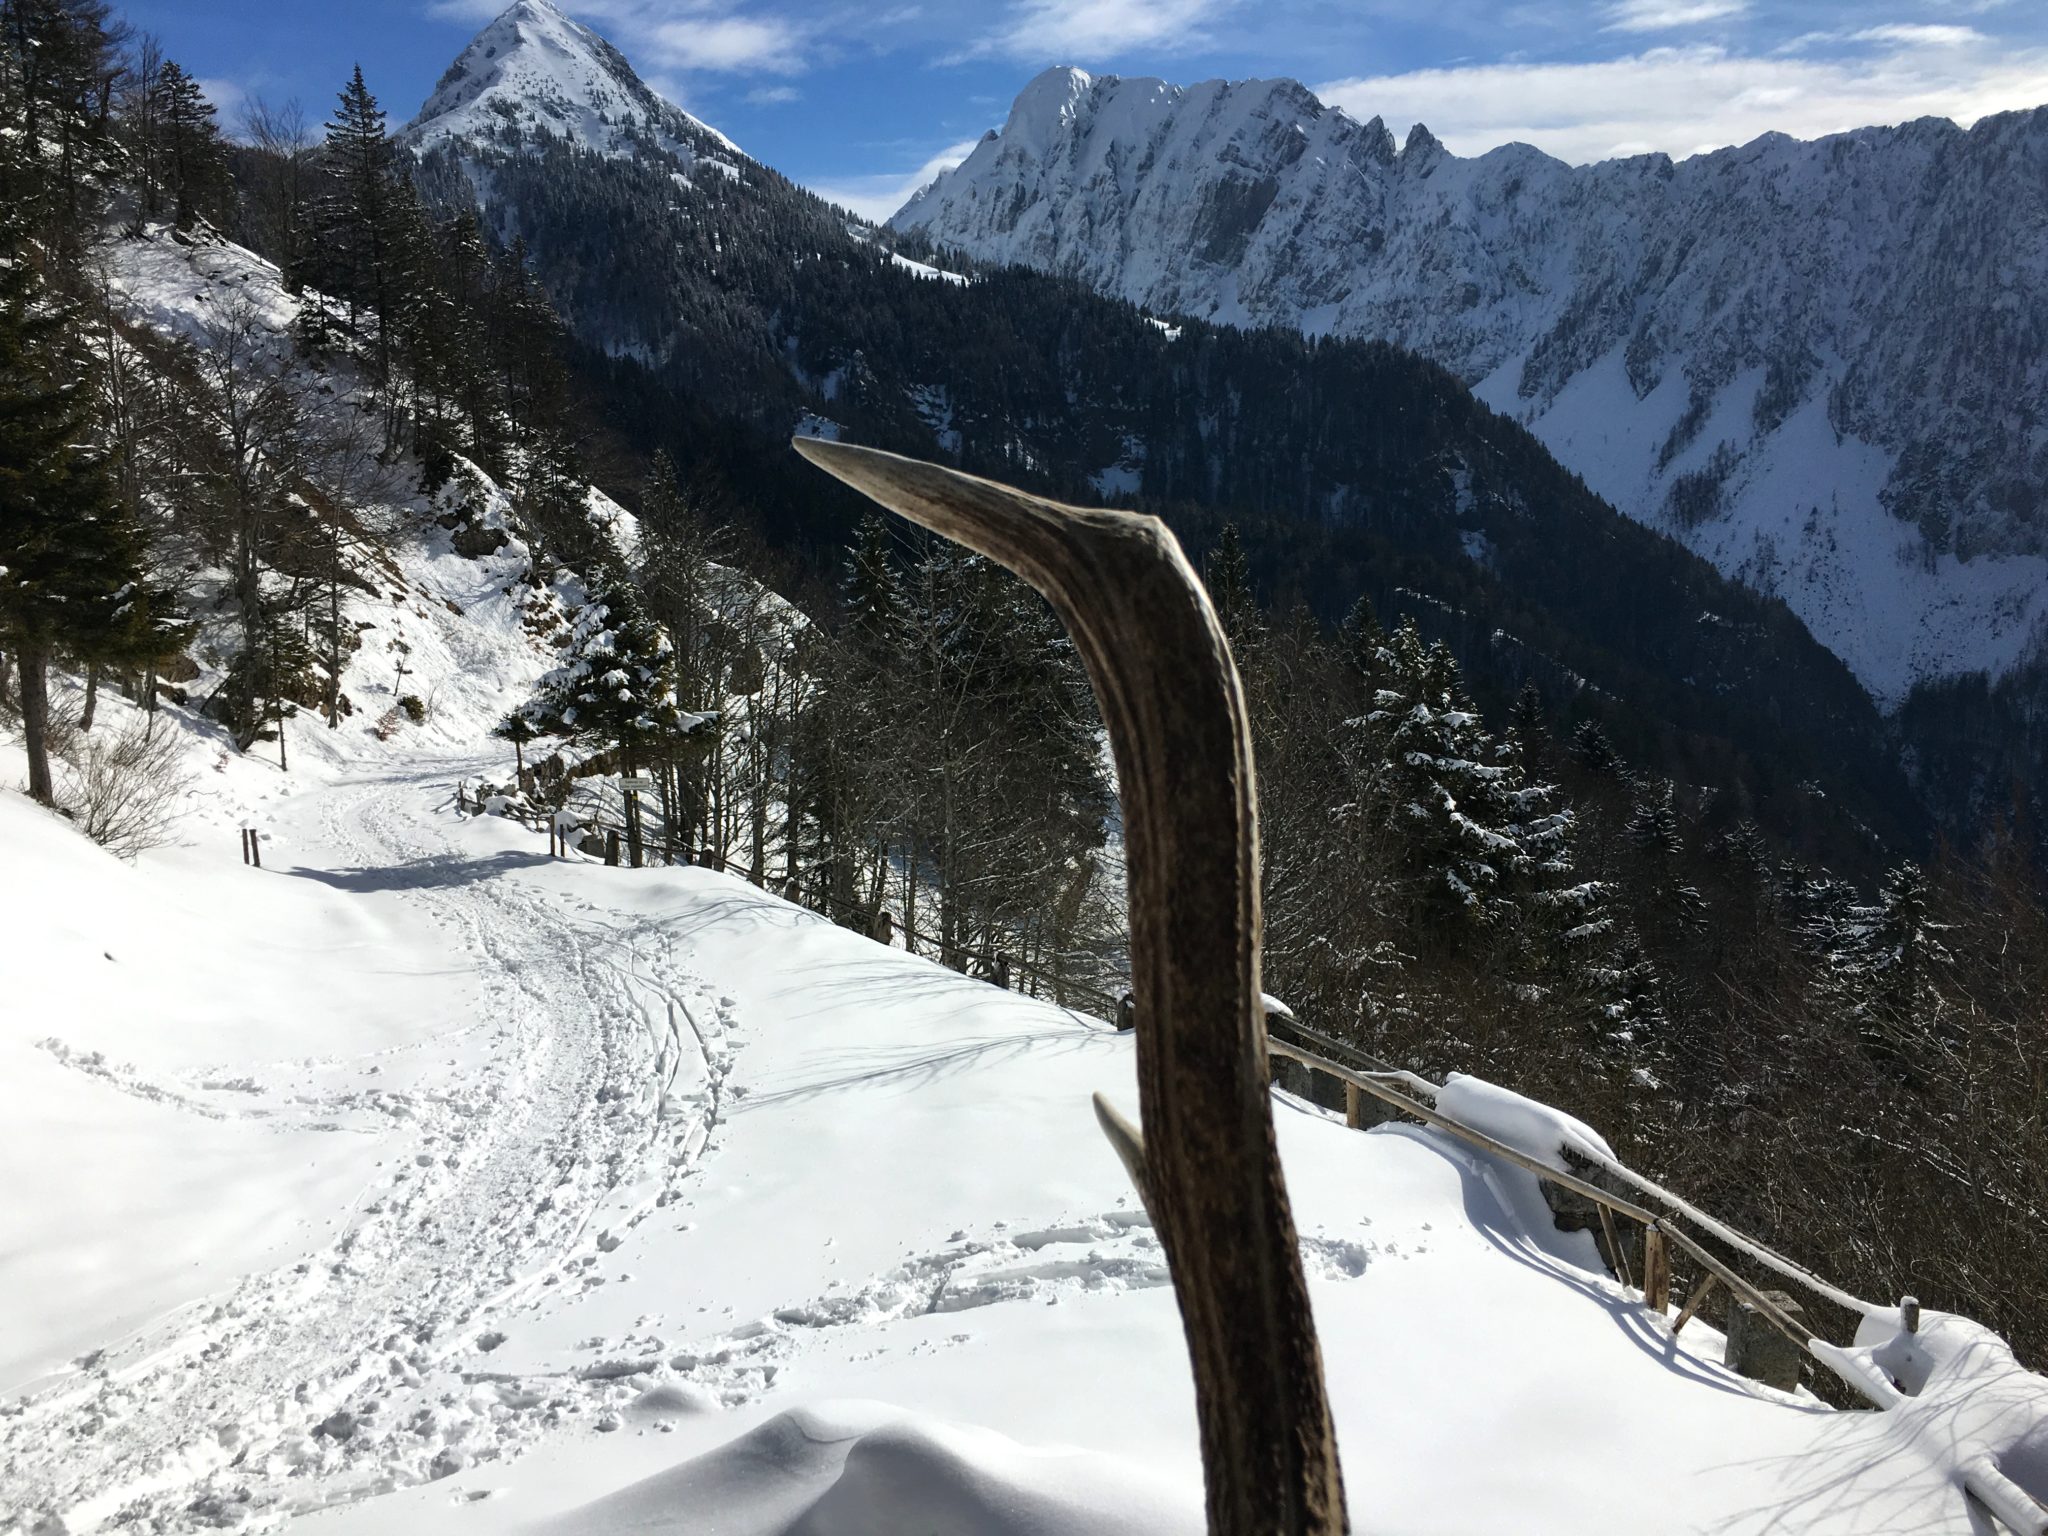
(1668,1223)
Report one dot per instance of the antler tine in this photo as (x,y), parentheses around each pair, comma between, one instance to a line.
(1211,1176)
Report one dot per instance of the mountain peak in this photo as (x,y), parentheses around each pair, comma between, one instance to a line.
(535,72)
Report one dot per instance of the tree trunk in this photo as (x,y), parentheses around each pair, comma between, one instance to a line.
(910,899)
(334,636)
(35,724)
(632,797)
(92,696)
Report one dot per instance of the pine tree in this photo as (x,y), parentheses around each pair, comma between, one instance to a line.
(71,576)
(1653,823)
(354,233)
(1885,963)
(1471,828)
(60,61)
(1595,752)
(874,597)
(519,729)
(1227,573)
(194,161)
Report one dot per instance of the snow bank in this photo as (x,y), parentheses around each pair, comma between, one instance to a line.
(859,1469)
(1531,1128)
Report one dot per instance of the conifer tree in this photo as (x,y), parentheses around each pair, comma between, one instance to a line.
(616,686)
(1886,961)
(1227,573)
(354,222)
(60,61)
(194,160)
(71,576)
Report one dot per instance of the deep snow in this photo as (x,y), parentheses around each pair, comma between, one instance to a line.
(419,1165)
(417,1181)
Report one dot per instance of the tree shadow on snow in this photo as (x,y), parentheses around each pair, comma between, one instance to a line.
(440,872)
(916,1066)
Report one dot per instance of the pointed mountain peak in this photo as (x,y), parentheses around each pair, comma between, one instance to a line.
(1422,146)
(536,72)
(1048,105)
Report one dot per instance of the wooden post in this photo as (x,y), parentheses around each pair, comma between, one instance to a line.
(245,845)
(1614,1254)
(1354,1105)
(1656,1271)
(1699,1294)
(255,847)
(611,846)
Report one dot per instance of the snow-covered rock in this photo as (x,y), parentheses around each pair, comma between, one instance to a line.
(1811,362)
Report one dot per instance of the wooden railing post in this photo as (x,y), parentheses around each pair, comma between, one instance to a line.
(1354,1105)
(1656,1271)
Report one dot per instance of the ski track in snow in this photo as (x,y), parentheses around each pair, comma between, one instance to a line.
(592,1108)
(366,1367)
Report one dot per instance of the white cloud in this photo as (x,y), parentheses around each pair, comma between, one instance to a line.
(1683,100)
(478,11)
(1920,34)
(1078,31)
(1664,15)
(228,97)
(874,198)
(773,95)
(732,44)
(712,36)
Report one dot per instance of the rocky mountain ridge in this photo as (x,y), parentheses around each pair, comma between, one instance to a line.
(1818,364)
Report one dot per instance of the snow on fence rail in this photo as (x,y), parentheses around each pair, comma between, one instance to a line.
(1937,1375)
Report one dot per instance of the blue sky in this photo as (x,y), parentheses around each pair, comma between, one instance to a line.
(863,101)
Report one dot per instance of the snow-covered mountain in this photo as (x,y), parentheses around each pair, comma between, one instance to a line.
(536,72)
(419,1180)
(1818,364)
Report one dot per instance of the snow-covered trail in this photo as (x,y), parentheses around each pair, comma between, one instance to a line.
(523,1140)
(593,1242)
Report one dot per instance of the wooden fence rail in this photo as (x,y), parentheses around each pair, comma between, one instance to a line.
(2012,1505)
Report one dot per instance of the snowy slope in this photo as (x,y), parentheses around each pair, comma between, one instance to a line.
(844,1241)
(534,72)
(1809,361)
(419,1182)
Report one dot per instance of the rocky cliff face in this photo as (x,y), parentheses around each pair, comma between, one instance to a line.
(1819,364)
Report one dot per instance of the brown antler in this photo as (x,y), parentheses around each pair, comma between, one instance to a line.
(1207,1166)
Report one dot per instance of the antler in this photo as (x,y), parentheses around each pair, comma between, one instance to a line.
(1207,1168)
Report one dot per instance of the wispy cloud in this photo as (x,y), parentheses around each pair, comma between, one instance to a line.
(228,97)
(1081,31)
(1667,15)
(730,44)
(1686,99)
(773,95)
(1920,35)
(478,11)
(876,197)
(678,36)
